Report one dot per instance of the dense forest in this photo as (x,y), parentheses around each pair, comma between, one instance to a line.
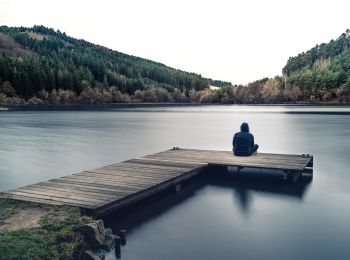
(41,65)
(321,74)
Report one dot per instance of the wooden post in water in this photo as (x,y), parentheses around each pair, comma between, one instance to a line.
(117,242)
(122,235)
(177,187)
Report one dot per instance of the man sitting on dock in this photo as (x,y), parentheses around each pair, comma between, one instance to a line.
(243,142)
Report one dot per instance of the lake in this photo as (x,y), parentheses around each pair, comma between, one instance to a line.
(211,218)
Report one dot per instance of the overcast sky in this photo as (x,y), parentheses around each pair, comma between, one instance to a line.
(238,41)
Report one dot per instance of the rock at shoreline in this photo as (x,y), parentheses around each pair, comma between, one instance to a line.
(93,234)
(99,240)
(100,226)
(109,242)
(93,255)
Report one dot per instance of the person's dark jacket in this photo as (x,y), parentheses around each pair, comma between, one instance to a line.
(243,142)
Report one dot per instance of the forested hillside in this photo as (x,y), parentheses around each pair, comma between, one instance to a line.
(42,65)
(321,74)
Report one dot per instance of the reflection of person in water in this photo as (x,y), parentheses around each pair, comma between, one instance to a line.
(244,198)
(243,142)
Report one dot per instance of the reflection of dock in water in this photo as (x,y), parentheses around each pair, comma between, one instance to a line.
(242,187)
(265,183)
(115,186)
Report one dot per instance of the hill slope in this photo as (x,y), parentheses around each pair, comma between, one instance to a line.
(323,72)
(39,58)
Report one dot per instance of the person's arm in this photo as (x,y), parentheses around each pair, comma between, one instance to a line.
(234,140)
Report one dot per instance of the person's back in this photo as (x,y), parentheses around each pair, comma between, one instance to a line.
(243,142)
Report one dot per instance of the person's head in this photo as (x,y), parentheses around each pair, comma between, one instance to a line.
(244,127)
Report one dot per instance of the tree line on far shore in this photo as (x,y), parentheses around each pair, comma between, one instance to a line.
(265,91)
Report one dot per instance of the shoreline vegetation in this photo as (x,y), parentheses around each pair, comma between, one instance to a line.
(112,97)
(38,231)
(41,66)
(30,230)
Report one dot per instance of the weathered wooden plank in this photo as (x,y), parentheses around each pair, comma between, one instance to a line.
(85,187)
(156,172)
(31,199)
(139,171)
(134,173)
(189,164)
(266,165)
(227,156)
(141,165)
(132,183)
(143,168)
(269,162)
(230,156)
(204,156)
(58,195)
(125,190)
(211,152)
(135,183)
(55,199)
(71,191)
(138,162)
(143,177)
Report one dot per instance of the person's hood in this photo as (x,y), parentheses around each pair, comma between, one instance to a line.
(244,127)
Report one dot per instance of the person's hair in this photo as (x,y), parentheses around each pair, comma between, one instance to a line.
(244,127)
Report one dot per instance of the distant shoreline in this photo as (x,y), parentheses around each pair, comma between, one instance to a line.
(86,107)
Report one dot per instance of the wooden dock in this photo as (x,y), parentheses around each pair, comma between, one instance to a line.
(114,186)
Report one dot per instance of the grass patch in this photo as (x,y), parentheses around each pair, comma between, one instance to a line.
(55,238)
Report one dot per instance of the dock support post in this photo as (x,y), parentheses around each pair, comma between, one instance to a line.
(177,187)
(122,235)
(117,243)
(292,176)
(287,175)
(296,176)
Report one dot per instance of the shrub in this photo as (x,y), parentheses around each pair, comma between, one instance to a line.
(54,98)
(138,95)
(66,96)
(87,96)
(207,98)
(35,101)
(163,95)
(150,95)
(178,96)
(7,89)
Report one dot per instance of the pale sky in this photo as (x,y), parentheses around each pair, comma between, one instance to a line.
(238,41)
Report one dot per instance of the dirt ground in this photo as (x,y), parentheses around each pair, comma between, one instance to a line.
(28,218)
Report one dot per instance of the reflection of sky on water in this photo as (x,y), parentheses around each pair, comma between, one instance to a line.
(216,221)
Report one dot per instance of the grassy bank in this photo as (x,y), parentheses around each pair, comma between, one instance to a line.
(36,231)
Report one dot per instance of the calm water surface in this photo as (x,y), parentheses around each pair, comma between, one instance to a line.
(224,219)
